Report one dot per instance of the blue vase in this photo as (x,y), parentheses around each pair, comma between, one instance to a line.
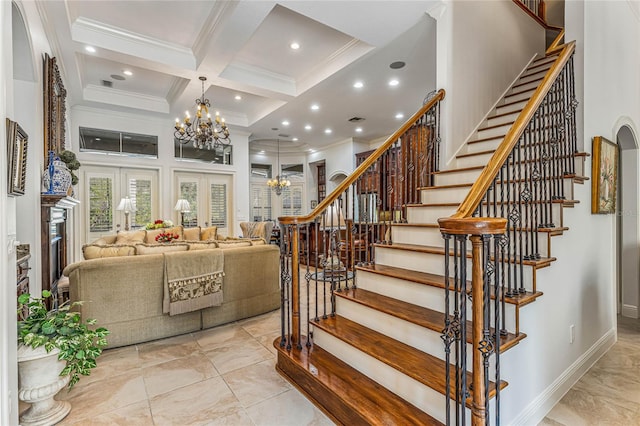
(57,177)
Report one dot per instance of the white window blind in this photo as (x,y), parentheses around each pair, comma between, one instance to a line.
(260,202)
(218,207)
(140,194)
(189,192)
(100,207)
(292,200)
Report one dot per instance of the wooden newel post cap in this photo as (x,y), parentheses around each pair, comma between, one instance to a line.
(473,225)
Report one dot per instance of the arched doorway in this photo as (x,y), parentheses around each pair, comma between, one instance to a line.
(628,229)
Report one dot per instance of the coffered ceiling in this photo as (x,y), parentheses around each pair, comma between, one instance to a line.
(255,79)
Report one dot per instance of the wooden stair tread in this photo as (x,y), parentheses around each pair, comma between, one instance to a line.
(424,317)
(535,80)
(372,403)
(435,280)
(461,169)
(519,93)
(509,123)
(487,139)
(420,366)
(536,263)
(504,113)
(474,154)
(457,185)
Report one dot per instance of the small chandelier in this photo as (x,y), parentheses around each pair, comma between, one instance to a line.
(278,183)
(203,132)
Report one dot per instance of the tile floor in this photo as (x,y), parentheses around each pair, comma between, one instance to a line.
(226,376)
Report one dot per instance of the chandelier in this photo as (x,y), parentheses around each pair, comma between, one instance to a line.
(202,131)
(278,183)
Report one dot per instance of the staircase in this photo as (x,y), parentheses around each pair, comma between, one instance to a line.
(371,348)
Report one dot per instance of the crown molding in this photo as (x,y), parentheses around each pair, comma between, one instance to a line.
(106,36)
(213,25)
(125,99)
(260,77)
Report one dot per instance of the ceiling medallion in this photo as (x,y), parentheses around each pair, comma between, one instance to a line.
(203,132)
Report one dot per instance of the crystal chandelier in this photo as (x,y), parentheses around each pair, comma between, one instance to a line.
(278,183)
(202,131)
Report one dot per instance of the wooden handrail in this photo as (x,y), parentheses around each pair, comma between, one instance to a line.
(488,174)
(555,45)
(362,168)
(539,19)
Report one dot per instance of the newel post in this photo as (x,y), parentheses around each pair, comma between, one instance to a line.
(476,228)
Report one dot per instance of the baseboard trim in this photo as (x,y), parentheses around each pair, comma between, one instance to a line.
(629,311)
(539,407)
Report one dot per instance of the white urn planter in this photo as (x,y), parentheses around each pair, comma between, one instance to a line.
(38,382)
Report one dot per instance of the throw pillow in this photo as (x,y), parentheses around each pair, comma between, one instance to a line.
(192,234)
(258,241)
(130,237)
(252,229)
(201,245)
(208,234)
(144,249)
(96,251)
(153,233)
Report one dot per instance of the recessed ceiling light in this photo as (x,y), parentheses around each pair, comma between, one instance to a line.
(90,49)
(261,152)
(295,139)
(327,131)
(393,82)
(315,107)
(358,85)
(307,127)
(238,97)
(359,129)
(312,150)
(98,139)
(127,72)
(285,123)
(399,115)
(295,46)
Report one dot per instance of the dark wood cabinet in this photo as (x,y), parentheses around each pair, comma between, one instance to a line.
(322,181)
(54,212)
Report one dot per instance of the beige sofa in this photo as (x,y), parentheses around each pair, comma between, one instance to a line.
(124,293)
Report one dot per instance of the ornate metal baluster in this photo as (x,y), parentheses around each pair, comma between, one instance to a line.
(448,332)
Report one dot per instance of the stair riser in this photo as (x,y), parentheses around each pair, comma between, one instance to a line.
(466,176)
(518,97)
(423,397)
(443,195)
(491,144)
(473,161)
(429,214)
(501,108)
(418,294)
(533,74)
(492,132)
(531,84)
(434,263)
(421,236)
(502,119)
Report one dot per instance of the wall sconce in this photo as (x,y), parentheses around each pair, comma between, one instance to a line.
(127,205)
(183,207)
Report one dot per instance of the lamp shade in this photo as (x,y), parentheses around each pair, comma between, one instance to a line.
(333,218)
(127,205)
(182,206)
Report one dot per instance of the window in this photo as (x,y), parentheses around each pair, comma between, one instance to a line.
(260,202)
(189,192)
(262,171)
(292,200)
(121,143)
(140,194)
(100,204)
(218,206)
(293,171)
(219,155)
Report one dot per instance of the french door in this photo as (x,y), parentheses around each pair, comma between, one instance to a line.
(104,187)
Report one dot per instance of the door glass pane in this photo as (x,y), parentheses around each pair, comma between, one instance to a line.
(218,208)
(140,194)
(189,192)
(292,200)
(260,202)
(100,207)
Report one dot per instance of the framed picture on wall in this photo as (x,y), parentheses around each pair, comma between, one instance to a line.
(604,175)
(16,157)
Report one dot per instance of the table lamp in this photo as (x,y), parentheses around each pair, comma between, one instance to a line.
(127,205)
(183,207)
(332,221)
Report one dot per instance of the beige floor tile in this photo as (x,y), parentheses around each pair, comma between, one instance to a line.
(196,404)
(160,351)
(138,414)
(266,340)
(225,335)
(103,396)
(578,407)
(113,362)
(264,324)
(170,375)
(229,358)
(237,418)
(256,383)
(288,408)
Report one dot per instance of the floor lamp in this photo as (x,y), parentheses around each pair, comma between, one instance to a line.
(127,205)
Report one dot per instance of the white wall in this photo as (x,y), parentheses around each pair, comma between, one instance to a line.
(481,48)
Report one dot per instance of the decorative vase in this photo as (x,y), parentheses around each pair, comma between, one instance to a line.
(57,177)
(39,381)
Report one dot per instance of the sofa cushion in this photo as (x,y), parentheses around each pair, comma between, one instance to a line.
(256,229)
(228,243)
(144,249)
(201,245)
(130,237)
(96,251)
(258,241)
(153,233)
(191,234)
(106,239)
(208,234)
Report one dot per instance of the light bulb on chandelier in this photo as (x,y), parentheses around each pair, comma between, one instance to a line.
(202,132)
(278,183)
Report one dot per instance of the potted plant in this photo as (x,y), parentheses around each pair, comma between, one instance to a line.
(55,347)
